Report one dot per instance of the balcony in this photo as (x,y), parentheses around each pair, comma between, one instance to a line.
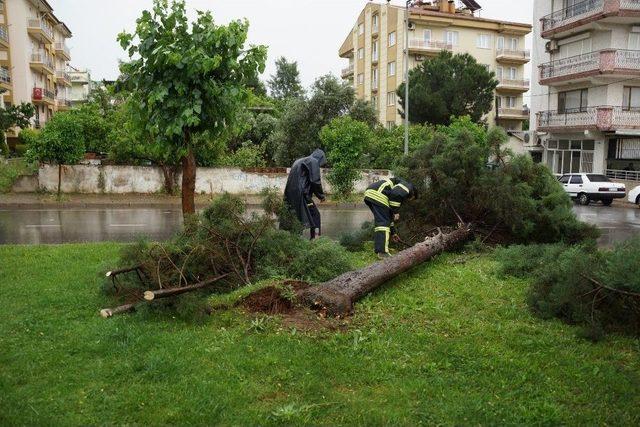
(42,96)
(602,118)
(347,72)
(63,103)
(62,77)
(507,56)
(512,114)
(5,78)
(40,30)
(582,67)
(571,19)
(63,51)
(513,85)
(42,63)
(4,37)
(428,46)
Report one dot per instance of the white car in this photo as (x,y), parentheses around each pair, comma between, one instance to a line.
(586,187)
(634,196)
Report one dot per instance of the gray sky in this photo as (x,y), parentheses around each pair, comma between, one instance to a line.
(307,31)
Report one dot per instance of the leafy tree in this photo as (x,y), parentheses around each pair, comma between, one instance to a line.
(285,83)
(449,86)
(95,126)
(14,116)
(60,142)
(187,80)
(297,132)
(386,147)
(364,111)
(346,140)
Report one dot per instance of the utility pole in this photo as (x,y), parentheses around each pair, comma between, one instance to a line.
(406,78)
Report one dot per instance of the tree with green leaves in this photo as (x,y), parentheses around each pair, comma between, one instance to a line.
(448,86)
(285,83)
(346,140)
(61,142)
(187,80)
(14,116)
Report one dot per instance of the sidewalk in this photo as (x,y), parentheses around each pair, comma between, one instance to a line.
(39,201)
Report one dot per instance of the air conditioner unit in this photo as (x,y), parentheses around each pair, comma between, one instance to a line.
(412,26)
(531,138)
(551,46)
(420,58)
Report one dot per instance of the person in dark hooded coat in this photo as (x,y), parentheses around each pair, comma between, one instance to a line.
(303,183)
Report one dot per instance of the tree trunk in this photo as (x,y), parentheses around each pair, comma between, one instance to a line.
(188,180)
(165,293)
(59,179)
(108,312)
(338,295)
(169,178)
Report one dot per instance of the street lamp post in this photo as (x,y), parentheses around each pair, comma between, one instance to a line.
(406,78)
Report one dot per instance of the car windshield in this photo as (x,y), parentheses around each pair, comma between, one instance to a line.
(598,178)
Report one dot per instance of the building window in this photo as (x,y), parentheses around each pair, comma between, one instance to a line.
(575,156)
(391,68)
(631,98)
(451,38)
(391,124)
(374,102)
(374,22)
(427,35)
(484,41)
(573,101)
(374,78)
(361,53)
(392,39)
(634,41)
(514,44)
(391,99)
(360,29)
(374,51)
(500,43)
(361,78)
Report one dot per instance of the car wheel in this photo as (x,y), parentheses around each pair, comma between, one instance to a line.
(638,201)
(583,199)
(607,202)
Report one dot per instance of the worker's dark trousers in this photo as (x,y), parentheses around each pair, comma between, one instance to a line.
(316,221)
(382,218)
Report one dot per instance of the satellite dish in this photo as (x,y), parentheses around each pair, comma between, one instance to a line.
(471,5)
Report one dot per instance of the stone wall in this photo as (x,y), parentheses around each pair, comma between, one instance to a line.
(142,179)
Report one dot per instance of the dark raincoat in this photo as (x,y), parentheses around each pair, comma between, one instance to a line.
(303,183)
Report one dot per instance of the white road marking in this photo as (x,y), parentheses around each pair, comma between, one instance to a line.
(41,225)
(127,225)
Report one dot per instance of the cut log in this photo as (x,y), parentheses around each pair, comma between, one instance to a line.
(114,273)
(337,296)
(108,312)
(165,293)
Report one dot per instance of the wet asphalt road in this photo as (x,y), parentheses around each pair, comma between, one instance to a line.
(43,226)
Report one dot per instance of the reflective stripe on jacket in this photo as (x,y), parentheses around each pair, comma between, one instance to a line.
(389,192)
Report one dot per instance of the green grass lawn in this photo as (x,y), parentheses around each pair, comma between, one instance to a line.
(448,343)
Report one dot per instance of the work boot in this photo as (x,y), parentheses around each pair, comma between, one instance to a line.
(384,255)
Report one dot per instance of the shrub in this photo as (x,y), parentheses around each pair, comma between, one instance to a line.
(346,140)
(599,289)
(247,156)
(355,240)
(513,198)
(28,136)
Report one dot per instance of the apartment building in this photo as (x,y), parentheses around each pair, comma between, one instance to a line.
(81,86)
(34,57)
(586,98)
(376,44)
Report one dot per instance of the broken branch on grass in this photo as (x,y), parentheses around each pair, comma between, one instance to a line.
(108,312)
(165,293)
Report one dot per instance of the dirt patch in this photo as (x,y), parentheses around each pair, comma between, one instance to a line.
(277,300)
(273,299)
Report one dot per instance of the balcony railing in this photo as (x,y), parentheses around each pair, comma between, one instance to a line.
(513,83)
(62,74)
(42,25)
(586,11)
(5,76)
(347,71)
(63,102)
(512,112)
(599,62)
(4,33)
(62,47)
(42,58)
(429,45)
(523,55)
(40,94)
(604,118)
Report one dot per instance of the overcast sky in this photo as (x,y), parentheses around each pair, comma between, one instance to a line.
(307,31)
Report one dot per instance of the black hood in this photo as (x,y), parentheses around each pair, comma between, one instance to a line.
(319,155)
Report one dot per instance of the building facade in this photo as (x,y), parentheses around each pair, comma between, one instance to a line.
(34,57)
(81,86)
(376,44)
(586,97)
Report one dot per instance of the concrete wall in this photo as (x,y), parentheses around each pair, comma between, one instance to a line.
(140,179)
